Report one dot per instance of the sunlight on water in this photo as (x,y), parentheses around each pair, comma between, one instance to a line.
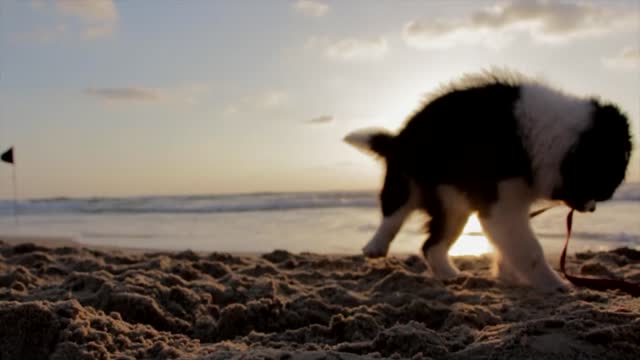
(472,241)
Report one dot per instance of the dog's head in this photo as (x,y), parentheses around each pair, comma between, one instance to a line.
(596,165)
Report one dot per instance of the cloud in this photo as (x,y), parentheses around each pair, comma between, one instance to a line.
(41,35)
(189,93)
(311,7)
(543,20)
(186,94)
(324,119)
(92,19)
(267,100)
(89,10)
(627,59)
(125,94)
(272,99)
(442,35)
(98,31)
(99,17)
(357,49)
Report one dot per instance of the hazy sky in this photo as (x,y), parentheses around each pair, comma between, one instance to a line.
(177,97)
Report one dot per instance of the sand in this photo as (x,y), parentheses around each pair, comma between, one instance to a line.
(68,302)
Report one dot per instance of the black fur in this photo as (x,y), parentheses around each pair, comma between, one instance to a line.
(596,165)
(395,191)
(468,139)
(381,144)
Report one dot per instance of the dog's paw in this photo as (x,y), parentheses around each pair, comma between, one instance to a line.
(558,286)
(506,274)
(445,273)
(375,250)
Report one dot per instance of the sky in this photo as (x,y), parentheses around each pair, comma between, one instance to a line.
(120,98)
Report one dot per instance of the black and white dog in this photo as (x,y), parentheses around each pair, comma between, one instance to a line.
(494,143)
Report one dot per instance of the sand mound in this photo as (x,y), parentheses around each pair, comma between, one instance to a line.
(73,303)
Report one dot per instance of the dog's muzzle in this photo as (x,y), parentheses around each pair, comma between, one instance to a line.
(589,206)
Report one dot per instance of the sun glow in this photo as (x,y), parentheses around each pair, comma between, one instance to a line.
(472,241)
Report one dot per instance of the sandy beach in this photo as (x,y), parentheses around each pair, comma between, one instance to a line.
(70,302)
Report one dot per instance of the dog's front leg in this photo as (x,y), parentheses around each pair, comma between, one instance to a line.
(507,224)
(378,246)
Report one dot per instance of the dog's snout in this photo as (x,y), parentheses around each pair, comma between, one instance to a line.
(588,206)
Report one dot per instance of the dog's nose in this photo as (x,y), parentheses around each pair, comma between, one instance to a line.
(590,206)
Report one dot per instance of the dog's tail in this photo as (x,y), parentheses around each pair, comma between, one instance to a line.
(377,141)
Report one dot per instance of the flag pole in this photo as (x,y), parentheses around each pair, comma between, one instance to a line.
(9,158)
(15,196)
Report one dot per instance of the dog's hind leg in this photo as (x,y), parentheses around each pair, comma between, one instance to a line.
(397,200)
(449,213)
(507,225)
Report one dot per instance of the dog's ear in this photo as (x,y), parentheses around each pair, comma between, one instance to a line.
(608,118)
(595,167)
(371,140)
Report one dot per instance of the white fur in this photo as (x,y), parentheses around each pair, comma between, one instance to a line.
(505,273)
(361,139)
(456,212)
(378,246)
(507,227)
(550,124)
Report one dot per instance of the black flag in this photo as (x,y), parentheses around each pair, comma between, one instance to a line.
(7,156)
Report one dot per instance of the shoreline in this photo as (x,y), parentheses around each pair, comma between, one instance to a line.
(59,241)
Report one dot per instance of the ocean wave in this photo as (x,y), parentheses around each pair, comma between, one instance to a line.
(203,204)
(198,204)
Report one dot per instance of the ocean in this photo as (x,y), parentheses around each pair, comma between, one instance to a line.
(319,222)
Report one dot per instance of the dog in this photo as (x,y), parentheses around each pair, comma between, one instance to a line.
(493,143)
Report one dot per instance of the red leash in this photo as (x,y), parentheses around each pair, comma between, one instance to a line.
(590,282)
